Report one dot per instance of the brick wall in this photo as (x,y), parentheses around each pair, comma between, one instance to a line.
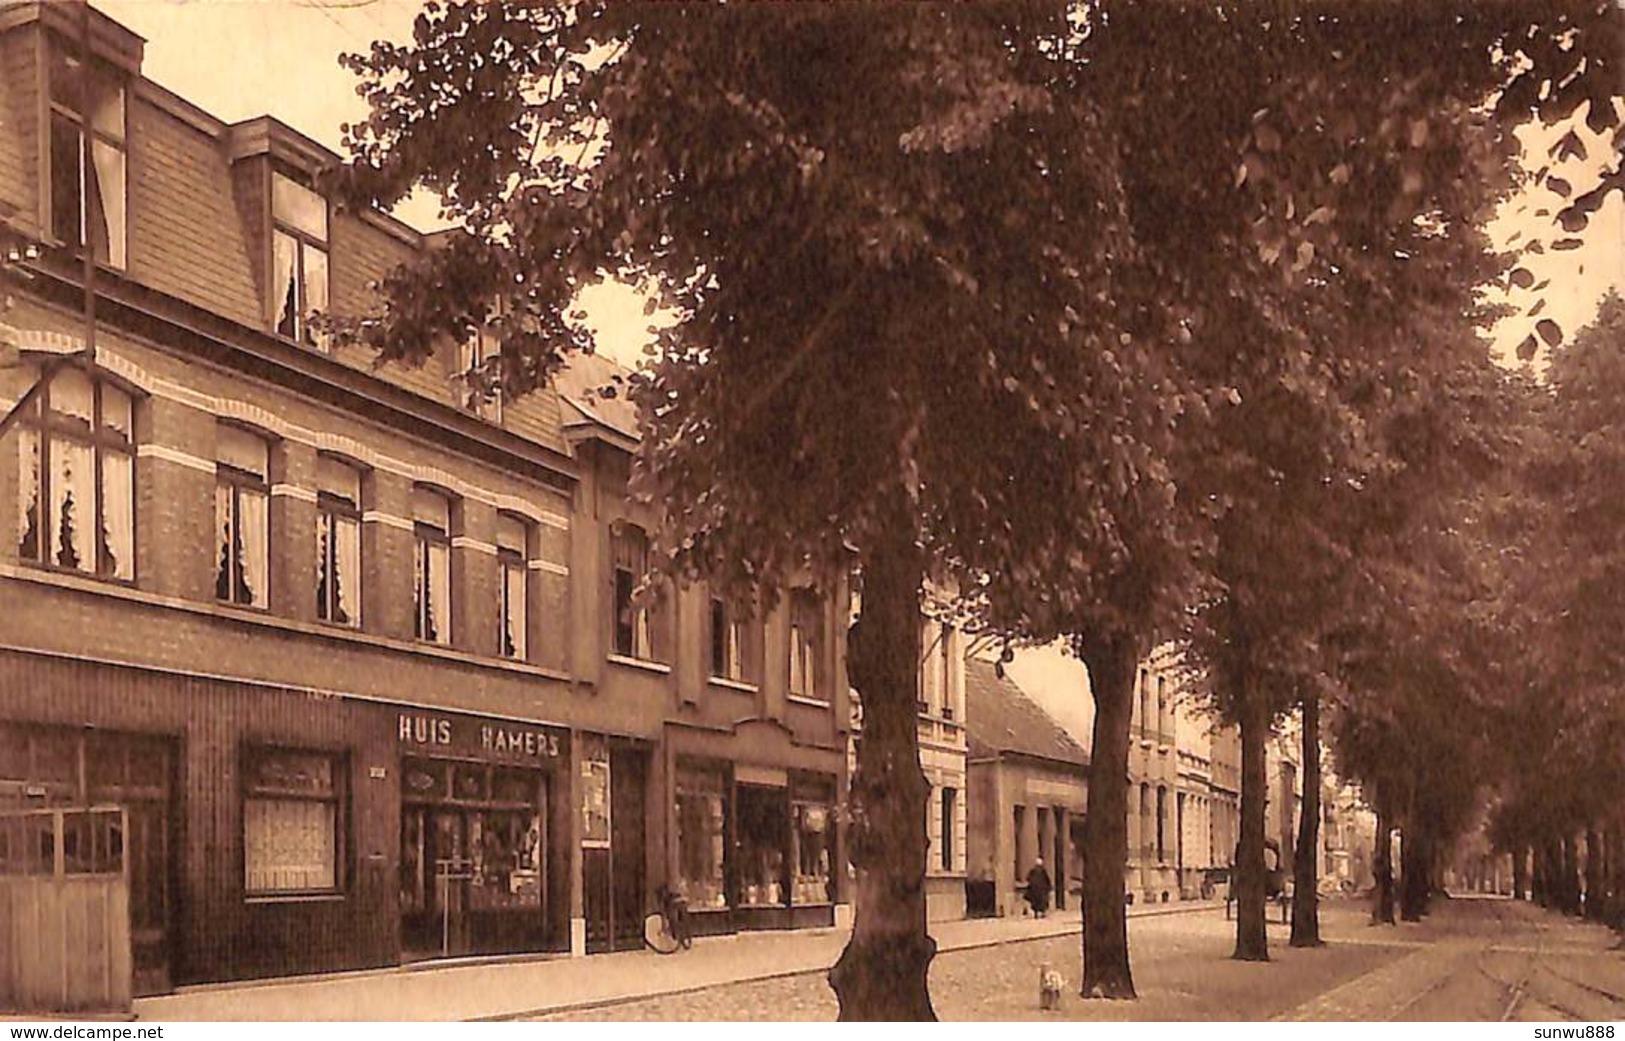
(19,129)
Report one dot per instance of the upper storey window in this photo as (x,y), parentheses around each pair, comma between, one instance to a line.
(87,200)
(299,258)
(431,567)
(639,630)
(241,517)
(77,502)
(806,644)
(479,375)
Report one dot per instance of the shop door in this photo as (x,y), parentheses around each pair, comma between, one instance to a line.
(628,770)
(435,894)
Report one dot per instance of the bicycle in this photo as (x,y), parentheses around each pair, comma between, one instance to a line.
(666,931)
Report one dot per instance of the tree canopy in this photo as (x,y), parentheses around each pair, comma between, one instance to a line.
(1068,303)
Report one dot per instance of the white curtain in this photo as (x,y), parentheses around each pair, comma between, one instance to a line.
(28,512)
(348,537)
(252,533)
(72,519)
(222,541)
(315,290)
(324,577)
(118,514)
(290,845)
(514,621)
(735,664)
(439,590)
(108,163)
(282,283)
(73,395)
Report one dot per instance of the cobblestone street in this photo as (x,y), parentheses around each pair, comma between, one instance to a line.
(1462,963)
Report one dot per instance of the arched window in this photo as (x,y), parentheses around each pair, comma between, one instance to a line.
(76,501)
(431,566)
(338,543)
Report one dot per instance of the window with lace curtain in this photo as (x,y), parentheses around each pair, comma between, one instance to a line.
(241,517)
(299,259)
(87,109)
(431,566)
(338,543)
(76,500)
(513,557)
(292,839)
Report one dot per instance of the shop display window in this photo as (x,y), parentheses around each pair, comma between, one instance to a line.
(478,827)
(505,860)
(812,839)
(702,813)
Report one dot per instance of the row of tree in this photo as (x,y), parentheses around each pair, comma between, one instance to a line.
(1133,320)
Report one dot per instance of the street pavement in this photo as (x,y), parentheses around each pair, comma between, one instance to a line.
(1473,959)
(510,988)
(1463,963)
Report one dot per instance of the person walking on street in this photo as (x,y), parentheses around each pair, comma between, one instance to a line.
(1038,888)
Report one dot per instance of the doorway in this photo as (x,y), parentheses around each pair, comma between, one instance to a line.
(613,875)
(53,767)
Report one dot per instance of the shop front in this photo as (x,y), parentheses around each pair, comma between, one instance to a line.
(483,836)
(754,845)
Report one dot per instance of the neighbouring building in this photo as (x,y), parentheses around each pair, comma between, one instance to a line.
(941,732)
(1028,794)
(359,652)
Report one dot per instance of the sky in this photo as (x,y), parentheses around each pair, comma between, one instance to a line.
(242,58)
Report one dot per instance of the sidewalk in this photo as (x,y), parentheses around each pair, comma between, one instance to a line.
(504,989)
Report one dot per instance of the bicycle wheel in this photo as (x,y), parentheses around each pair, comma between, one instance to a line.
(658,935)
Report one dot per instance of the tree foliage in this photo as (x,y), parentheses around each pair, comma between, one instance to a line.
(1097,310)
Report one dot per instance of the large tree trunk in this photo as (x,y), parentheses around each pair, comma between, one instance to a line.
(1520,871)
(1252,944)
(1305,876)
(1596,859)
(882,973)
(1413,876)
(1617,869)
(1540,883)
(1111,662)
(1382,866)
(1568,888)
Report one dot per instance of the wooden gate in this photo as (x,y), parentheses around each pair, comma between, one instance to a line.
(65,942)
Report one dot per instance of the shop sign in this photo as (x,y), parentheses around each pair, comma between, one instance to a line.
(478,738)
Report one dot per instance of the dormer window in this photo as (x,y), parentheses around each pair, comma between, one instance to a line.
(478,381)
(87,201)
(299,258)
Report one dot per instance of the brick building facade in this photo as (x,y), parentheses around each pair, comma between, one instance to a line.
(357,649)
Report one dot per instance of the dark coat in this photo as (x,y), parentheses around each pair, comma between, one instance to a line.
(1039,887)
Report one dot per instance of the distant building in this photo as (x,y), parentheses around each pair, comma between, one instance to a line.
(1028,793)
(1153,766)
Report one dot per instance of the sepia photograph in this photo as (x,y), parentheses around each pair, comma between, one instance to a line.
(593,512)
